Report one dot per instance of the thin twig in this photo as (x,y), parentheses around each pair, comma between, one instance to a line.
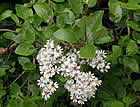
(7,30)
(50,9)
(116,35)
(24,82)
(33,60)
(128,27)
(85,34)
(86,9)
(28,90)
(7,58)
(18,77)
(5,50)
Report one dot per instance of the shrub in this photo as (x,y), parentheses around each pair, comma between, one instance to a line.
(80,52)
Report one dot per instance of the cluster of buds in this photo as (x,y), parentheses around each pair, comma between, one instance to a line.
(81,85)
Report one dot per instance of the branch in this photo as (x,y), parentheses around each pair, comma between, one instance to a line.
(24,82)
(50,9)
(18,77)
(128,27)
(5,50)
(7,30)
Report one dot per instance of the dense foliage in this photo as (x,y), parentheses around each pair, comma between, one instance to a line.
(83,25)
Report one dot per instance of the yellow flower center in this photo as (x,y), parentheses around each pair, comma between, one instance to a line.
(97,81)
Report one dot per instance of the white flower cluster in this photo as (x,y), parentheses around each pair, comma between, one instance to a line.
(47,58)
(81,85)
(99,61)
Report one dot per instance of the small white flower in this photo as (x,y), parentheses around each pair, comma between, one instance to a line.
(68,85)
(40,83)
(89,93)
(90,76)
(97,82)
(73,97)
(100,64)
(46,95)
(101,53)
(82,100)
(75,89)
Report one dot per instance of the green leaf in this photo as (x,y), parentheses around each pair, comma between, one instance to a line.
(2,72)
(137,12)
(18,102)
(136,36)
(132,4)
(91,3)
(116,51)
(36,20)
(15,19)
(42,10)
(26,35)
(88,51)
(29,66)
(133,25)
(65,17)
(124,40)
(25,49)
(29,103)
(47,32)
(59,0)
(41,1)
(14,89)
(29,35)
(20,37)
(137,57)
(115,11)
(76,6)
(23,60)
(107,103)
(59,7)
(9,35)
(62,79)
(2,93)
(5,14)
(66,34)
(130,99)
(35,90)
(102,36)
(12,70)
(80,25)
(136,85)
(131,48)
(117,104)
(23,12)
(106,94)
(92,25)
(120,91)
(131,63)
(94,22)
